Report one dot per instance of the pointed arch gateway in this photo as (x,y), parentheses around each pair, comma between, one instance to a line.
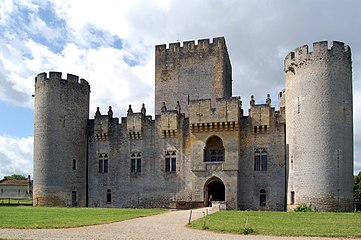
(214,187)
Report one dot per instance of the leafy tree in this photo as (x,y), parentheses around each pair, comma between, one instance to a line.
(357,187)
(16,177)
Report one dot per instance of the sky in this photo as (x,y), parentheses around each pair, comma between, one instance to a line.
(111,45)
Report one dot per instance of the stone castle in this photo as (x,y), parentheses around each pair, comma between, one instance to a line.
(200,146)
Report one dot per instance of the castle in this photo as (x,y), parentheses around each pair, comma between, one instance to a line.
(200,146)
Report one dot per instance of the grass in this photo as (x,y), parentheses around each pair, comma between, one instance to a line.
(55,217)
(284,223)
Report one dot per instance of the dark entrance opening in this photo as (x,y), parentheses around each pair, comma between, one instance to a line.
(214,190)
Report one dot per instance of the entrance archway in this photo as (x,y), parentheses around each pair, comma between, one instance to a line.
(214,190)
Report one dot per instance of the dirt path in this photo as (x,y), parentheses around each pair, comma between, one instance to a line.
(170,226)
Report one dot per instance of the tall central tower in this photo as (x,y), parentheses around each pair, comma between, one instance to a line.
(191,72)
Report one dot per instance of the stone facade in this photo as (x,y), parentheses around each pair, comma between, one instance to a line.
(201,147)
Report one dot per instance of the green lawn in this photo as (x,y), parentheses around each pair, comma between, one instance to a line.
(54,217)
(283,223)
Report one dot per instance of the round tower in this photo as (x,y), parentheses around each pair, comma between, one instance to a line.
(319,126)
(61,111)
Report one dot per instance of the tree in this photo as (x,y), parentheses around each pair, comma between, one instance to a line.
(16,177)
(357,187)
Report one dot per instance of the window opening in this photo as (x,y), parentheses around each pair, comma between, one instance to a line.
(262,197)
(103,163)
(170,161)
(109,196)
(74,164)
(260,159)
(214,151)
(292,197)
(135,162)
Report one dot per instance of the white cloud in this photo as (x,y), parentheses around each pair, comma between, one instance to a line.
(16,155)
(257,44)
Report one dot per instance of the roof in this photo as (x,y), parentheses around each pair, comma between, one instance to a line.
(14,182)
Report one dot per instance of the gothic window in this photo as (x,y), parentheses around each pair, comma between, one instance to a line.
(262,197)
(214,151)
(109,196)
(103,162)
(136,162)
(170,161)
(260,159)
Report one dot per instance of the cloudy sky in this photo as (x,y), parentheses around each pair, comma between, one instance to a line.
(111,44)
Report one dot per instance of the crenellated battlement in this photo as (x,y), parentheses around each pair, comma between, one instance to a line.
(191,46)
(57,76)
(339,51)
(223,115)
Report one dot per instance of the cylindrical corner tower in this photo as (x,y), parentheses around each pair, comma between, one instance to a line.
(319,126)
(61,112)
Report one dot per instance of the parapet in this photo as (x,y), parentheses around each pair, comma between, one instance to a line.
(191,46)
(301,56)
(223,115)
(57,76)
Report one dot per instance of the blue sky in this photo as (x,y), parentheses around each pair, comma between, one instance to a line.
(111,44)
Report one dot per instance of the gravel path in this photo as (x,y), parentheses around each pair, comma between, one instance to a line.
(170,225)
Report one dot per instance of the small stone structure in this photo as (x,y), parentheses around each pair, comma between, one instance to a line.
(200,147)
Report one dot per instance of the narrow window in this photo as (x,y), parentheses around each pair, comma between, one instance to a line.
(74,164)
(298,105)
(174,162)
(100,166)
(265,128)
(264,160)
(255,129)
(262,197)
(167,162)
(73,198)
(132,167)
(105,165)
(109,196)
(292,197)
(139,165)
(105,159)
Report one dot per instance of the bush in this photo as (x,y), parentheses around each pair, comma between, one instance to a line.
(248,230)
(305,208)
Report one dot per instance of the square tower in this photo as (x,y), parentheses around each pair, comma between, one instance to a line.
(191,72)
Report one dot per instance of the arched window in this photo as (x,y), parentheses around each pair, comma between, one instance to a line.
(109,196)
(214,151)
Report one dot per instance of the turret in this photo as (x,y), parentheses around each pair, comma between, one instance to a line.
(319,126)
(61,111)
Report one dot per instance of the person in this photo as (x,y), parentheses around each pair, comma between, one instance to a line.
(210,199)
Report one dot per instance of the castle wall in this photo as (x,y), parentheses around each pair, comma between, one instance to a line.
(320,126)
(61,111)
(152,186)
(262,129)
(191,72)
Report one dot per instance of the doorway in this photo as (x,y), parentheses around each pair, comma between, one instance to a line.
(214,190)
